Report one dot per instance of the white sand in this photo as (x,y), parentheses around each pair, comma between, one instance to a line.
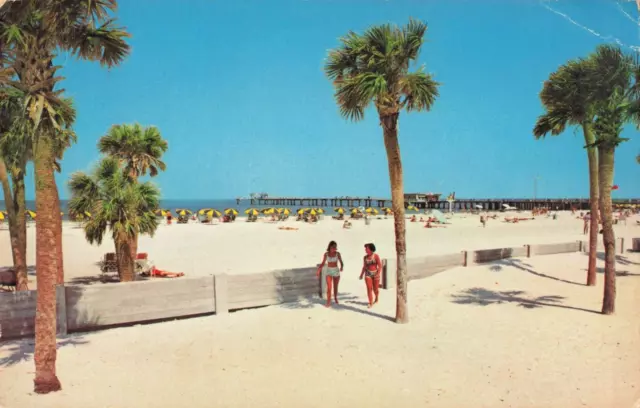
(514,335)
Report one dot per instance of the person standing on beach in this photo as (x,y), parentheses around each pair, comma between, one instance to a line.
(331,259)
(586,219)
(371,270)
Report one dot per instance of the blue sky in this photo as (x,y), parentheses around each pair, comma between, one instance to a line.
(238,90)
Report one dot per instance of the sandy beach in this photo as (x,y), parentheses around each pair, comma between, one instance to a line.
(521,333)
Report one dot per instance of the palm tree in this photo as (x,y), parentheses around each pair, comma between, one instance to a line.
(565,97)
(33,32)
(117,203)
(374,67)
(139,149)
(615,86)
(14,153)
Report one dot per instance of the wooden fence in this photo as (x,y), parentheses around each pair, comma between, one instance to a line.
(90,307)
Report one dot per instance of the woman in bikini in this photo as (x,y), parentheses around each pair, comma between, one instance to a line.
(331,259)
(371,270)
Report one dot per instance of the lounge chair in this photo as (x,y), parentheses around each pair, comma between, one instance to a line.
(109,263)
(8,280)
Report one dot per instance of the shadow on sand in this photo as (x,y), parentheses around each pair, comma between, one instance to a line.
(525,267)
(347,301)
(486,297)
(22,350)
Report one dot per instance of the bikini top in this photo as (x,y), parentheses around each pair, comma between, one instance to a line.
(370,261)
(332,259)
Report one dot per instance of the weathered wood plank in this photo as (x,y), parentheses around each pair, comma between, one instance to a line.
(268,301)
(619,245)
(550,249)
(419,268)
(288,275)
(61,310)
(271,292)
(496,254)
(105,305)
(17,314)
(221,294)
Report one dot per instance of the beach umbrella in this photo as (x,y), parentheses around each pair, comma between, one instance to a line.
(313,211)
(203,211)
(319,210)
(412,208)
(339,210)
(162,212)
(284,211)
(251,211)
(2,216)
(183,211)
(213,213)
(231,211)
(302,211)
(356,211)
(371,211)
(31,214)
(387,210)
(268,211)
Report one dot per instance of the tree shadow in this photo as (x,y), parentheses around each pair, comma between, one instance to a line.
(31,269)
(525,267)
(485,297)
(22,350)
(618,273)
(621,259)
(102,278)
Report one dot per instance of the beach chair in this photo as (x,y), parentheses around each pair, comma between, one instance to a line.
(8,280)
(109,263)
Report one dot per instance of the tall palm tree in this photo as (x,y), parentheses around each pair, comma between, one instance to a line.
(139,149)
(14,154)
(615,86)
(33,32)
(117,203)
(566,99)
(373,67)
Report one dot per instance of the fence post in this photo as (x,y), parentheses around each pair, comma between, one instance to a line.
(322,283)
(384,275)
(221,293)
(528,251)
(622,245)
(465,258)
(61,310)
(579,246)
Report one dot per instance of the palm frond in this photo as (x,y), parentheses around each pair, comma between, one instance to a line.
(420,91)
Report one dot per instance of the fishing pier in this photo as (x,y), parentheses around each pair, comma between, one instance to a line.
(433,201)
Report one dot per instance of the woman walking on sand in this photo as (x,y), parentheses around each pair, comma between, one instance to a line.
(371,270)
(331,259)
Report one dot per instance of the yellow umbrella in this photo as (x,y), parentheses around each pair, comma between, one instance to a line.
(284,211)
(268,211)
(387,210)
(203,211)
(356,211)
(312,212)
(31,214)
(412,208)
(183,211)
(319,210)
(214,213)
(251,211)
(339,210)
(231,211)
(162,212)
(2,215)
(371,210)
(302,210)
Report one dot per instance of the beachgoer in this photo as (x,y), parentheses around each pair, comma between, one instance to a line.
(483,220)
(346,224)
(586,222)
(331,259)
(371,270)
(164,274)
(169,217)
(413,218)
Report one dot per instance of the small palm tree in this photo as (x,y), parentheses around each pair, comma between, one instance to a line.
(139,148)
(567,101)
(373,67)
(117,204)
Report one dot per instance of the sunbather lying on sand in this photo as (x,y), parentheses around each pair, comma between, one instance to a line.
(430,225)
(346,224)
(413,218)
(288,228)
(164,274)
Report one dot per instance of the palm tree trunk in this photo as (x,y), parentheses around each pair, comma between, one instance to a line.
(606,160)
(592,155)
(47,268)
(60,252)
(390,129)
(125,260)
(20,247)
